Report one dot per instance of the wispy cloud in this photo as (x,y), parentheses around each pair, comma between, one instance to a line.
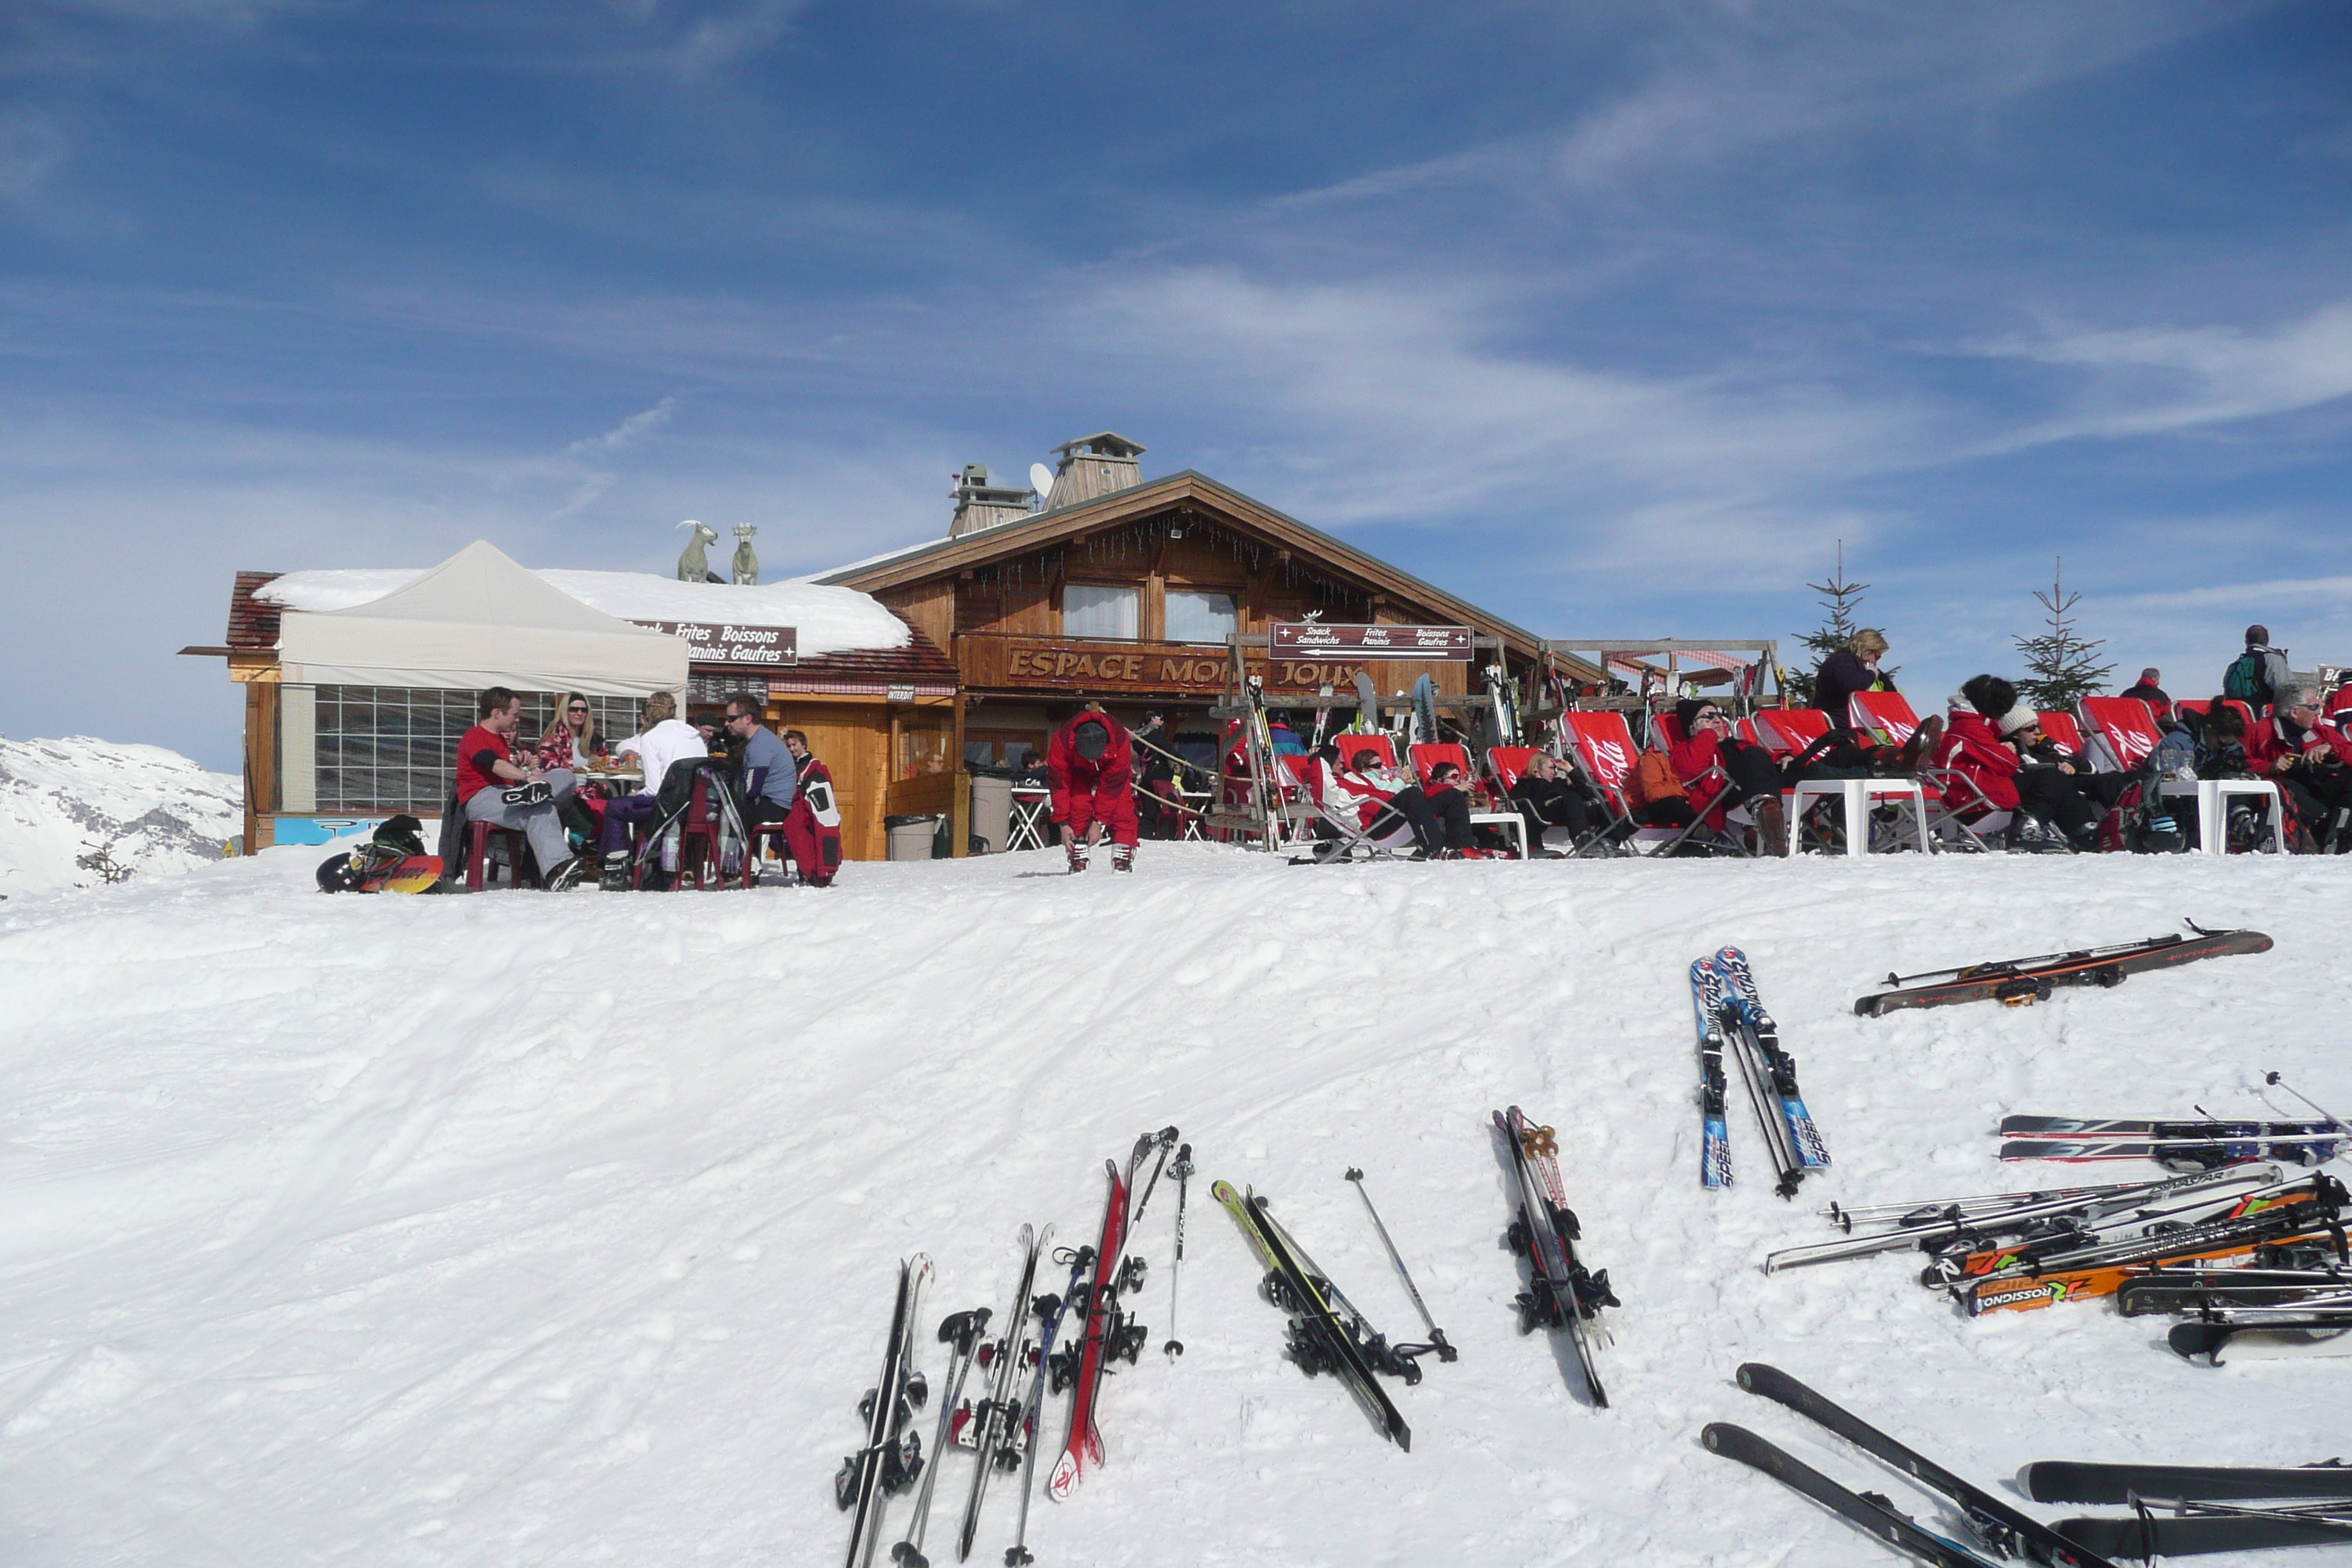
(2158,379)
(629,430)
(32,145)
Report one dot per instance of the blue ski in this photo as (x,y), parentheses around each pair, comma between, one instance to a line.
(1715,1139)
(1741,983)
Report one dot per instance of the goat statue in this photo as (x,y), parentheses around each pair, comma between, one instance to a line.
(694,560)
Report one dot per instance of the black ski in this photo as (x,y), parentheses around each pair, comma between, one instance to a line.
(2124,1130)
(2162,1535)
(1873,1514)
(996,1419)
(885,1463)
(2289,1334)
(2164,1290)
(2001,1526)
(2061,1481)
(1319,1341)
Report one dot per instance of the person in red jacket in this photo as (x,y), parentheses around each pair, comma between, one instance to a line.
(2305,757)
(1988,742)
(1090,774)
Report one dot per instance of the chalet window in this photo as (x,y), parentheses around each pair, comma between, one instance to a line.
(1197,617)
(1089,610)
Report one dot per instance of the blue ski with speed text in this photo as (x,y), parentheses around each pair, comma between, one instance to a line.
(1741,982)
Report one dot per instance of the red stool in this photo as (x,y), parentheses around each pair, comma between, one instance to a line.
(751,836)
(478,845)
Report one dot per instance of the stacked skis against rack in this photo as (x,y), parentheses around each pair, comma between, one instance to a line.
(2177,1510)
(1046,1344)
(1042,1345)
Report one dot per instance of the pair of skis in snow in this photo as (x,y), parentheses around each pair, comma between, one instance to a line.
(1735,1030)
(2020,982)
(2180,1510)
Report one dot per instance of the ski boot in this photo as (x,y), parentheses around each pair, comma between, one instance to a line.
(616,878)
(1122,856)
(1077,853)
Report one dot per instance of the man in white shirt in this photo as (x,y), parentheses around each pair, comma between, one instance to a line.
(664,740)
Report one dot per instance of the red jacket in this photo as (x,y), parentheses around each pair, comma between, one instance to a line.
(1068,773)
(1695,755)
(1973,748)
(2266,747)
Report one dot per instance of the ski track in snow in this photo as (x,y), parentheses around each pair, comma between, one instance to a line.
(515,1230)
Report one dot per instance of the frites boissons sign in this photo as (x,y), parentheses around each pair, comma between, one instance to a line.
(722,643)
(1313,639)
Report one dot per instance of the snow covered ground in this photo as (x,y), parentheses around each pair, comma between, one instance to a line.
(526,1229)
(151,809)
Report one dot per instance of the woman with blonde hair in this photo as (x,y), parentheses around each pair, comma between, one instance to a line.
(571,740)
(1849,669)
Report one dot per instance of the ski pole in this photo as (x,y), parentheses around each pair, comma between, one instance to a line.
(2272,1079)
(1183,1168)
(1166,1139)
(960,1332)
(1436,1335)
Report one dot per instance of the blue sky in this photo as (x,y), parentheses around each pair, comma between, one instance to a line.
(1614,318)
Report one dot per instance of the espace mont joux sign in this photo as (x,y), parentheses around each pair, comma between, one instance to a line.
(751,648)
(1311,639)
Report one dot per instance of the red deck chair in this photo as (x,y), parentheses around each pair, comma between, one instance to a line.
(2060,726)
(2197,705)
(1509,764)
(1786,731)
(1887,716)
(2126,730)
(1375,740)
(1604,743)
(1666,732)
(2245,709)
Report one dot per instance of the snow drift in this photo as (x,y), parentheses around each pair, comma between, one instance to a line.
(521,1229)
(152,810)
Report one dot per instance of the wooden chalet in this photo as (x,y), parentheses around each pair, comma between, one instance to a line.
(1127,591)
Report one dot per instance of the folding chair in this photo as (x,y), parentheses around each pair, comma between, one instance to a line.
(1428,754)
(2061,727)
(2197,705)
(1788,731)
(1665,733)
(1604,743)
(2245,710)
(1300,776)
(2127,726)
(1351,836)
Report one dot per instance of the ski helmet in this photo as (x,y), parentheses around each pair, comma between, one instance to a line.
(336,876)
(1092,740)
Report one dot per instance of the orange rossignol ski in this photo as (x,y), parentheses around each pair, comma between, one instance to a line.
(2022,1293)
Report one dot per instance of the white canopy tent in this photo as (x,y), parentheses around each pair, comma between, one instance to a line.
(477,620)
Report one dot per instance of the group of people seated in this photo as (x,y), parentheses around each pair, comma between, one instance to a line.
(1987,758)
(582,801)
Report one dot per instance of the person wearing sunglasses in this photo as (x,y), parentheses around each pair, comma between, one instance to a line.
(1708,743)
(2305,757)
(570,740)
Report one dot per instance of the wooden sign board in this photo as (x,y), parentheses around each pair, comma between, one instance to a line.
(1313,639)
(1055,664)
(735,646)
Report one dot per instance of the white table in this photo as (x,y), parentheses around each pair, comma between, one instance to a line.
(1860,795)
(2213,817)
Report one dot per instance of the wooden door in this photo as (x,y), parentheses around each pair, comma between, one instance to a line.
(852,739)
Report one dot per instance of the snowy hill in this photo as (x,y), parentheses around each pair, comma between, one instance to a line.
(520,1229)
(151,809)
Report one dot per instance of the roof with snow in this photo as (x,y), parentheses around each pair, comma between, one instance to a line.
(825,619)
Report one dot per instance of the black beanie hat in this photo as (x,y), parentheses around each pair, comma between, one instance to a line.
(1092,740)
(1687,711)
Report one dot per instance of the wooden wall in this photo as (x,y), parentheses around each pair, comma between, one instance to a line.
(853,740)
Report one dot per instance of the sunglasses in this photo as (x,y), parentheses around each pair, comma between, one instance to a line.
(575,709)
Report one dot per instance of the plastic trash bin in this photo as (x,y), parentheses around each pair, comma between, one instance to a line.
(911,838)
(991,814)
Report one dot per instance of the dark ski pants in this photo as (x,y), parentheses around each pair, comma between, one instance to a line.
(2059,798)
(619,815)
(1439,822)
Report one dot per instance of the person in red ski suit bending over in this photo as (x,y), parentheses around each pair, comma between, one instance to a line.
(1090,770)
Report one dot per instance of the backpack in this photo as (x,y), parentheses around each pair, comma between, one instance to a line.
(2248,679)
(1653,780)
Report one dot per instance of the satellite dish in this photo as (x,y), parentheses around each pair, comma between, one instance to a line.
(1041,479)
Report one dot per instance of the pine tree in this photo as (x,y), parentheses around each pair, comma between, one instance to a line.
(2062,667)
(1844,597)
